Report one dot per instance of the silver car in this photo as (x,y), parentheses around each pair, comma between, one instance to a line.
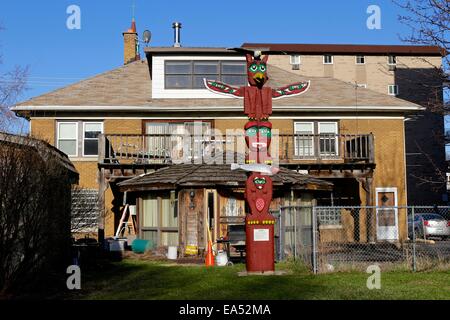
(429,225)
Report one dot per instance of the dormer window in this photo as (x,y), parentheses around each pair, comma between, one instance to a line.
(190,74)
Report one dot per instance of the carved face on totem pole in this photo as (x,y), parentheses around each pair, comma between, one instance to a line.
(258,193)
(257,71)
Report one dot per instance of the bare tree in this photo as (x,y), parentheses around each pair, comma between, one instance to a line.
(35,198)
(12,84)
(429,24)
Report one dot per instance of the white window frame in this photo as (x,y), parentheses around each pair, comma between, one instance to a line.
(378,206)
(76,136)
(332,59)
(360,63)
(295,56)
(336,133)
(396,91)
(83,138)
(296,153)
(388,60)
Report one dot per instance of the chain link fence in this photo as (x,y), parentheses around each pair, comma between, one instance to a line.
(331,239)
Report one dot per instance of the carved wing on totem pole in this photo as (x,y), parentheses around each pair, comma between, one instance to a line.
(223,88)
(290,90)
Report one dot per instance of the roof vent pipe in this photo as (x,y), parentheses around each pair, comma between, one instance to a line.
(176,35)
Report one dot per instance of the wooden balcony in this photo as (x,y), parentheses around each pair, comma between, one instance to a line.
(302,151)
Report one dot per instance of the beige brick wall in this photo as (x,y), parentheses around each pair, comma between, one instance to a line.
(375,72)
(43,129)
(124,126)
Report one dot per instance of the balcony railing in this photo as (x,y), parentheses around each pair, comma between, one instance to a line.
(286,148)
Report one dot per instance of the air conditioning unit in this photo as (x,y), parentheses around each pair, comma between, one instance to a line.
(392,67)
(295,66)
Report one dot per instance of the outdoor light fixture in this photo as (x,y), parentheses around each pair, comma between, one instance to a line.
(192,195)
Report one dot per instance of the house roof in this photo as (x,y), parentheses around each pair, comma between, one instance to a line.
(215,175)
(129,87)
(345,49)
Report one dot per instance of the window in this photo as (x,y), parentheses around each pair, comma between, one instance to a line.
(68,138)
(160,219)
(190,74)
(327,59)
(91,130)
(361,85)
(328,139)
(360,59)
(316,138)
(76,138)
(166,139)
(392,60)
(393,89)
(295,59)
(304,139)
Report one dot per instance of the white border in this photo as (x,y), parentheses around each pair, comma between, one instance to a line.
(394,190)
(336,133)
(153,108)
(356,60)
(82,138)
(332,59)
(393,94)
(76,136)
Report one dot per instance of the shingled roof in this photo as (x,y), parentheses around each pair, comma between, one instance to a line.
(130,85)
(216,175)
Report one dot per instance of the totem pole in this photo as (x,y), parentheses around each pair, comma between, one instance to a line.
(258,134)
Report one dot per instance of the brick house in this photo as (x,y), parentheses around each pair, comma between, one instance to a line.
(114,126)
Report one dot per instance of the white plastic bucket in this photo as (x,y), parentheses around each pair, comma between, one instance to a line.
(172,253)
(221,258)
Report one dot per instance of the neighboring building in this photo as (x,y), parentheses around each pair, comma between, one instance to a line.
(117,125)
(411,73)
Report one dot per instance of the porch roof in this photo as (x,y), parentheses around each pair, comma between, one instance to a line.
(215,175)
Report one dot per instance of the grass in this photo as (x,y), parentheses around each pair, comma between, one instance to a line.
(133,279)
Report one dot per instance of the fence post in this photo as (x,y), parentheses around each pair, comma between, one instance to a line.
(295,233)
(414,266)
(314,239)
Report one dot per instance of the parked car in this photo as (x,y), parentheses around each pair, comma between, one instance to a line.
(429,225)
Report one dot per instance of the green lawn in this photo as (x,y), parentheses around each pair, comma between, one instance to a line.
(131,279)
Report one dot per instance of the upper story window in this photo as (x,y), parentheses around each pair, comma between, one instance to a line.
(68,138)
(360,59)
(392,60)
(190,74)
(295,59)
(393,89)
(328,59)
(78,138)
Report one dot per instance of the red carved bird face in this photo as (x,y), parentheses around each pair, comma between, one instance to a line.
(257,71)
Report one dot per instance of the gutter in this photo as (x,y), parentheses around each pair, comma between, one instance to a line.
(154,108)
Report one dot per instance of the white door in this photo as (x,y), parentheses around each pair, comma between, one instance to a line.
(387,214)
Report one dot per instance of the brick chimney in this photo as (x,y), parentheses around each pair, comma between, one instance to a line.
(131,44)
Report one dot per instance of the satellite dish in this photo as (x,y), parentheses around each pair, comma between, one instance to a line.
(147,36)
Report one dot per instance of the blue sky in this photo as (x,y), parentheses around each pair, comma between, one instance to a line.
(36,35)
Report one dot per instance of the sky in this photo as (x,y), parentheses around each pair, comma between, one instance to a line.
(36,35)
